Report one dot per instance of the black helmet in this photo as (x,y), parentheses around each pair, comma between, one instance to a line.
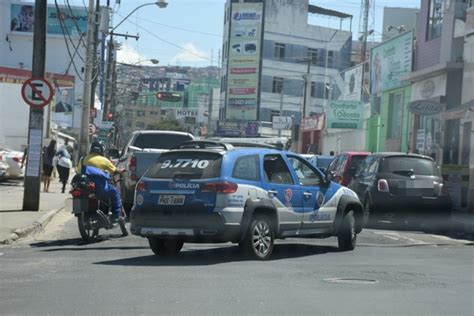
(97,148)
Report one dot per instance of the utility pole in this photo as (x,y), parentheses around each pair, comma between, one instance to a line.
(86,97)
(281,109)
(31,194)
(365,26)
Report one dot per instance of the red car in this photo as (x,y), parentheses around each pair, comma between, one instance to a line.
(344,166)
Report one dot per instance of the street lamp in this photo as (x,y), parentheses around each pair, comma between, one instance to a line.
(110,68)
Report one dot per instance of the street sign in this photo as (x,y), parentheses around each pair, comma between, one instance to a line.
(92,129)
(37,92)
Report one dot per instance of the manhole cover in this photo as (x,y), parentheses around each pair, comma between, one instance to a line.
(350,281)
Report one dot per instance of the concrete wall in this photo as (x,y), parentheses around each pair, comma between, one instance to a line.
(57,58)
(428,52)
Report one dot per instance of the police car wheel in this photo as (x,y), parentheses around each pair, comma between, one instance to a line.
(165,247)
(347,233)
(260,237)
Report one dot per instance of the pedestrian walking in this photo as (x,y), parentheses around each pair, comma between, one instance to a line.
(63,164)
(48,155)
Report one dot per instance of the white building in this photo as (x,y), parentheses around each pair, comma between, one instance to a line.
(289,47)
(16,52)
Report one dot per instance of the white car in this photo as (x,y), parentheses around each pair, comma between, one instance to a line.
(3,170)
(13,159)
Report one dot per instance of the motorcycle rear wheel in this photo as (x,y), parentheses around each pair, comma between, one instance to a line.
(123,227)
(88,234)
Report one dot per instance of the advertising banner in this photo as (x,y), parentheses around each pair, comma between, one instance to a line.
(237,129)
(244,61)
(345,114)
(353,84)
(68,20)
(63,106)
(389,61)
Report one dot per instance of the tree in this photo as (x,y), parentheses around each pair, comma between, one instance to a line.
(171,125)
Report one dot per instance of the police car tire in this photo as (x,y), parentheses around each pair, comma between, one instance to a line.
(263,225)
(347,236)
(165,247)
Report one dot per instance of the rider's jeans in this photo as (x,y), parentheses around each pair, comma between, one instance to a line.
(109,191)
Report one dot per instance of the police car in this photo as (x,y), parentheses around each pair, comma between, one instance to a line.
(215,192)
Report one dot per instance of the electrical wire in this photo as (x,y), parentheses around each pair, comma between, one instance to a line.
(67,45)
(176,27)
(168,42)
(81,40)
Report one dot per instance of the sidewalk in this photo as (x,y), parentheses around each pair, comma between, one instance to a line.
(15,223)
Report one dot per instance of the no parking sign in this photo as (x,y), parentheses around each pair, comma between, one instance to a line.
(37,92)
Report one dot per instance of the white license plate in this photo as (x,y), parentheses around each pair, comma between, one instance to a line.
(171,200)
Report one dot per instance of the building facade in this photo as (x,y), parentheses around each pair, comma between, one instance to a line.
(441,125)
(290,57)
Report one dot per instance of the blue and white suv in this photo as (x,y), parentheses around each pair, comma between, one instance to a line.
(214,192)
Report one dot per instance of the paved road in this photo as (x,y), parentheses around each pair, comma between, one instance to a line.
(390,272)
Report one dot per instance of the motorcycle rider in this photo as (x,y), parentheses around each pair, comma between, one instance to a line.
(99,169)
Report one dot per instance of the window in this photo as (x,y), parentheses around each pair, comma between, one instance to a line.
(394,122)
(246,168)
(140,124)
(313,89)
(330,58)
(186,165)
(409,165)
(276,170)
(279,51)
(140,113)
(306,175)
(277,85)
(314,55)
(435,19)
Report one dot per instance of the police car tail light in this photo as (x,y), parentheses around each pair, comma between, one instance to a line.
(220,187)
(132,164)
(382,185)
(142,187)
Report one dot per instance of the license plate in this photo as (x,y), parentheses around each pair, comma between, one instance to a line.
(171,200)
(79,205)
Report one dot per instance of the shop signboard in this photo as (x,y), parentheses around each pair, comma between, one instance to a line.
(244,61)
(389,61)
(425,107)
(353,83)
(345,114)
(61,20)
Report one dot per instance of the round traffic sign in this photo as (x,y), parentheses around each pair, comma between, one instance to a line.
(37,92)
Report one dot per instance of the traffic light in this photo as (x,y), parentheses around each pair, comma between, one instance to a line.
(110,116)
(168,96)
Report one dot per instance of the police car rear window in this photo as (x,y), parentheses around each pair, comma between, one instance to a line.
(186,165)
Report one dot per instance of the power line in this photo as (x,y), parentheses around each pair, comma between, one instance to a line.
(176,27)
(81,40)
(168,42)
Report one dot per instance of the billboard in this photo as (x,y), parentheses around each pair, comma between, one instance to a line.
(73,20)
(237,129)
(244,61)
(389,61)
(345,114)
(353,83)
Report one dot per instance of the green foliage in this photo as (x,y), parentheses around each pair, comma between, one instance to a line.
(171,125)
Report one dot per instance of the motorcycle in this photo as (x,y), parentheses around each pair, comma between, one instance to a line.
(92,213)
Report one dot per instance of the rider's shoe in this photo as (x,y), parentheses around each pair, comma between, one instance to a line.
(114,219)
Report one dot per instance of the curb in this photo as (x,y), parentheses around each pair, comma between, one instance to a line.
(32,229)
